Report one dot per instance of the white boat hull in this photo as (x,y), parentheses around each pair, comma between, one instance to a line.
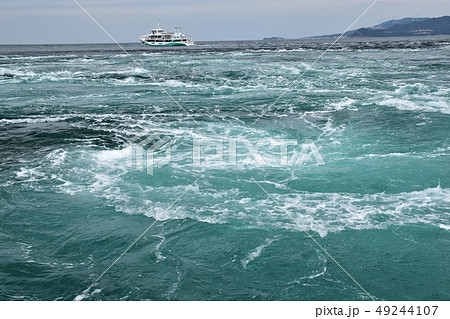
(167,44)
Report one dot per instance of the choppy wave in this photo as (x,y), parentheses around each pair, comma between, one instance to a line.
(105,176)
(256,252)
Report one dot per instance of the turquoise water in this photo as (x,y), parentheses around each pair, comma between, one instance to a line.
(71,203)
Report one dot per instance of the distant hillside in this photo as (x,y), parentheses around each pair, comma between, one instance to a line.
(401,27)
(432,26)
(391,23)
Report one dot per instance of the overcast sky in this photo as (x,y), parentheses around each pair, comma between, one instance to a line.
(62,21)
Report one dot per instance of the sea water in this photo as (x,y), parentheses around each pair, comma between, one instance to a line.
(71,201)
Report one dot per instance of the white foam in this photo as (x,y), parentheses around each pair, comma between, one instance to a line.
(57,157)
(30,174)
(114,155)
(37,119)
(407,105)
(292,70)
(322,212)
(256,252)
(344,103)
(158,254)
(86,294)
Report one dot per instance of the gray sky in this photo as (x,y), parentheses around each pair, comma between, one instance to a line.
(62,21)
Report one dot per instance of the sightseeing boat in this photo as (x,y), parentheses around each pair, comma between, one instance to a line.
(160,37)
